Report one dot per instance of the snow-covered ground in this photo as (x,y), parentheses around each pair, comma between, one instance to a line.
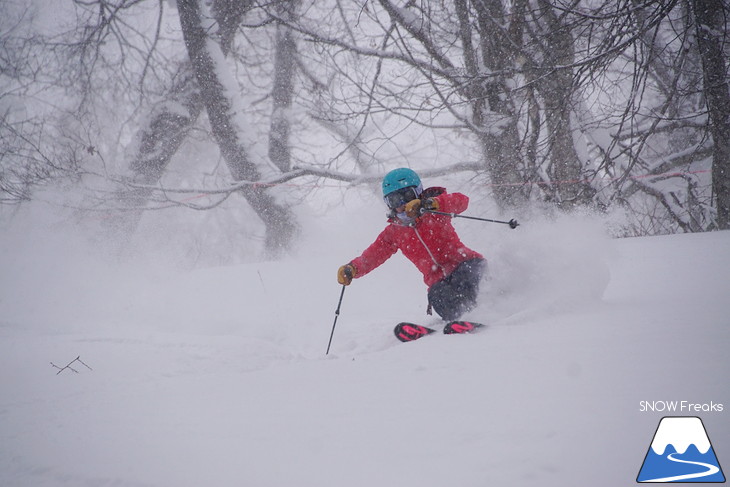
(218,377)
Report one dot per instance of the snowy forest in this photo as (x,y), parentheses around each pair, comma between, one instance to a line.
(181,179)
(230,116)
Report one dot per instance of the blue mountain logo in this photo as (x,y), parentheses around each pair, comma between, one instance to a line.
(680,452)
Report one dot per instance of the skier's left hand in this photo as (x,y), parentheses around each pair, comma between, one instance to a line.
(345,274)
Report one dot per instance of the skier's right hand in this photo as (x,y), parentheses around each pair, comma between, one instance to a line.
(345,274)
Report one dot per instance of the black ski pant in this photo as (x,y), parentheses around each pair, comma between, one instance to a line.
(456,294)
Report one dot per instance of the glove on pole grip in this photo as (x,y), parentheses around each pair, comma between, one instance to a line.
(345,274)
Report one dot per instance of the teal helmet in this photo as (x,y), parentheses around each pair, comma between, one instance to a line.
(400,186)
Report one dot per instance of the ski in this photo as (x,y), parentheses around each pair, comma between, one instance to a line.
(461,327)
(407,332)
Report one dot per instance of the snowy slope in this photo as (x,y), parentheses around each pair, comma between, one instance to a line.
(218,376)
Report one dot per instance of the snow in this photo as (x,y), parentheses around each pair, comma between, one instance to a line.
(218,376)
(689,430)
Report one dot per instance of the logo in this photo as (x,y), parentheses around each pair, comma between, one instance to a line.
(680,452)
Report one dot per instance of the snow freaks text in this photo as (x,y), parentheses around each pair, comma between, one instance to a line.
(680,407)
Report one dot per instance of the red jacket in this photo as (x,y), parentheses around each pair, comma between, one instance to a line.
(431,244)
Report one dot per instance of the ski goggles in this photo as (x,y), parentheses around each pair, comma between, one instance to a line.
(400,197)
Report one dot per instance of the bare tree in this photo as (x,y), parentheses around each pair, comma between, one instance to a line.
(282,92)
(169,122)
(206,60)
(651,139)
(574,103)
(711,22)
(550,67)
(489,65)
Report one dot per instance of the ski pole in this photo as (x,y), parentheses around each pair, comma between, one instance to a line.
(337,315)
(512,223)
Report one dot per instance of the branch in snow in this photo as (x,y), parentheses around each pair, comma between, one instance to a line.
(68,366)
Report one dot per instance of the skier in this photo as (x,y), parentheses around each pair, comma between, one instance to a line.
(450,269)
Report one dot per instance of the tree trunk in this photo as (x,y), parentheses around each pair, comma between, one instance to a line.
(206,58)
(501,146)
(710,24)
(167,127)
(556,88)
(283,90)
(158,141)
